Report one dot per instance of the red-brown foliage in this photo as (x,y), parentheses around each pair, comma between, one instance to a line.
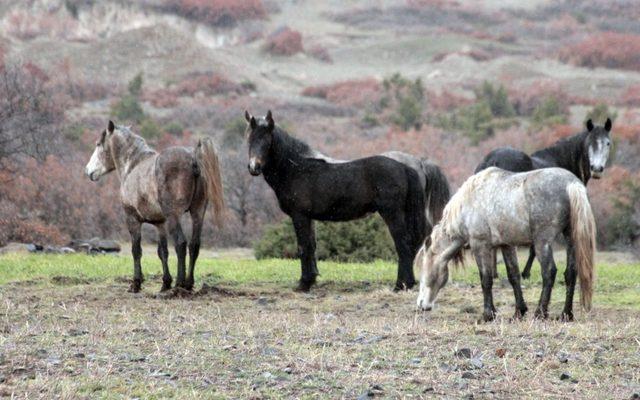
(206,84)
(320,53)
(445,100)
(53,201)
(606,49)
(631,97)
(219,12)
(284,42)
(526,99)
(351,93)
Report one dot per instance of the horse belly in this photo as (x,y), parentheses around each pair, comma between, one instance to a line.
(140,192)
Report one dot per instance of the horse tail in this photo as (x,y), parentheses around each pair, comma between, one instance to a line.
(437,191)
(583,236)
(209,165)
(415,217)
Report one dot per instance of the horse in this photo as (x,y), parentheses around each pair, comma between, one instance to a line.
(157,188)
(500,209)
(584,154)
(311,187)
(434,183)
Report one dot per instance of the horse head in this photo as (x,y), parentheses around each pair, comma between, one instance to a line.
(260,139)
(101,161)
(598,146)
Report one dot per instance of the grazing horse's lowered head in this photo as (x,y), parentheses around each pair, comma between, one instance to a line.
(598,143)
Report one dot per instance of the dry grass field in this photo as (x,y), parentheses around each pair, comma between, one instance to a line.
(69,329)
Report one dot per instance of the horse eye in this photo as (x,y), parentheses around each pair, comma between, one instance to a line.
(608,144)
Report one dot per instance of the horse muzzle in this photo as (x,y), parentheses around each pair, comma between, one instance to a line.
(597,172)
(255,168)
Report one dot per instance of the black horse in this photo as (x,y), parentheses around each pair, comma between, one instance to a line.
(310,188)
(584,154)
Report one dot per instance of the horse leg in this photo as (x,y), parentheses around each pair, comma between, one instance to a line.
(134,227)
(526,273)
(545,257)
(163,254)
(494,272)
(197,216)
(306,237)
(485,257)
(570,275)
(180,244)
(399,232)
(511,261)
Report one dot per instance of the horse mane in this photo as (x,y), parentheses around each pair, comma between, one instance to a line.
(293,149)
(567,153)
(135,147)
(450,224)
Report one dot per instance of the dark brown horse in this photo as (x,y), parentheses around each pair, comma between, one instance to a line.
(157,188)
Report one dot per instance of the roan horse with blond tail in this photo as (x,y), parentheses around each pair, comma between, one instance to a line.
(157,188)
(500,209)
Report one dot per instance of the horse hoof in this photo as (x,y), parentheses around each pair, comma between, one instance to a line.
(134,288)
(566,317)
(488,317)
(541,315)
(165,287)
(526,275)
(305,286)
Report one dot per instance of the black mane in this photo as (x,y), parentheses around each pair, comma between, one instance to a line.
(568,153)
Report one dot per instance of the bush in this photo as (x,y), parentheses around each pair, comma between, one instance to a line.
(351,93)
(284,42)
(234,133)
(362,240)
(549,112)
(600,113)
(623,228)
(497,99)
(149,129)
(218,12)
(128,108)
(606,49)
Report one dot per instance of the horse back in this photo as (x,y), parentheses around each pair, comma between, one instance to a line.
(507,158)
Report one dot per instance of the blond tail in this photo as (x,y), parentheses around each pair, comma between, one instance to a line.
(583,235)
(210,169)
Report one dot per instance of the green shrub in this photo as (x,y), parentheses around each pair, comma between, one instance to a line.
(623,227)
(128,109)
(149,129)
(362,240)
(174,128)
(135,85)
(408,113)
(549,112)
(234,133)
(497,99)
(599,114)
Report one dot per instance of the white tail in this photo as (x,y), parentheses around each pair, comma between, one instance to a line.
(583,235)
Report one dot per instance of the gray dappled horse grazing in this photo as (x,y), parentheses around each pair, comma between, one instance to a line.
(157,188)
(500,209)
(584,154)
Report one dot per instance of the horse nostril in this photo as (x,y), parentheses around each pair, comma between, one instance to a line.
(597,169)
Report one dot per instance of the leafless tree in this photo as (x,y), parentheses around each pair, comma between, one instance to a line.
(29,117)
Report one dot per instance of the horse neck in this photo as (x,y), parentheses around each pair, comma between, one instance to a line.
(285,159)
(568,154)
(129,152)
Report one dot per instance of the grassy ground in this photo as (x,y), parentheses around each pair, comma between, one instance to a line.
(68,329)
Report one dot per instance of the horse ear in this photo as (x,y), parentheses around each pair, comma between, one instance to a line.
(111,127)
(247,116)
(270,120)
(607,125)
(589,125)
